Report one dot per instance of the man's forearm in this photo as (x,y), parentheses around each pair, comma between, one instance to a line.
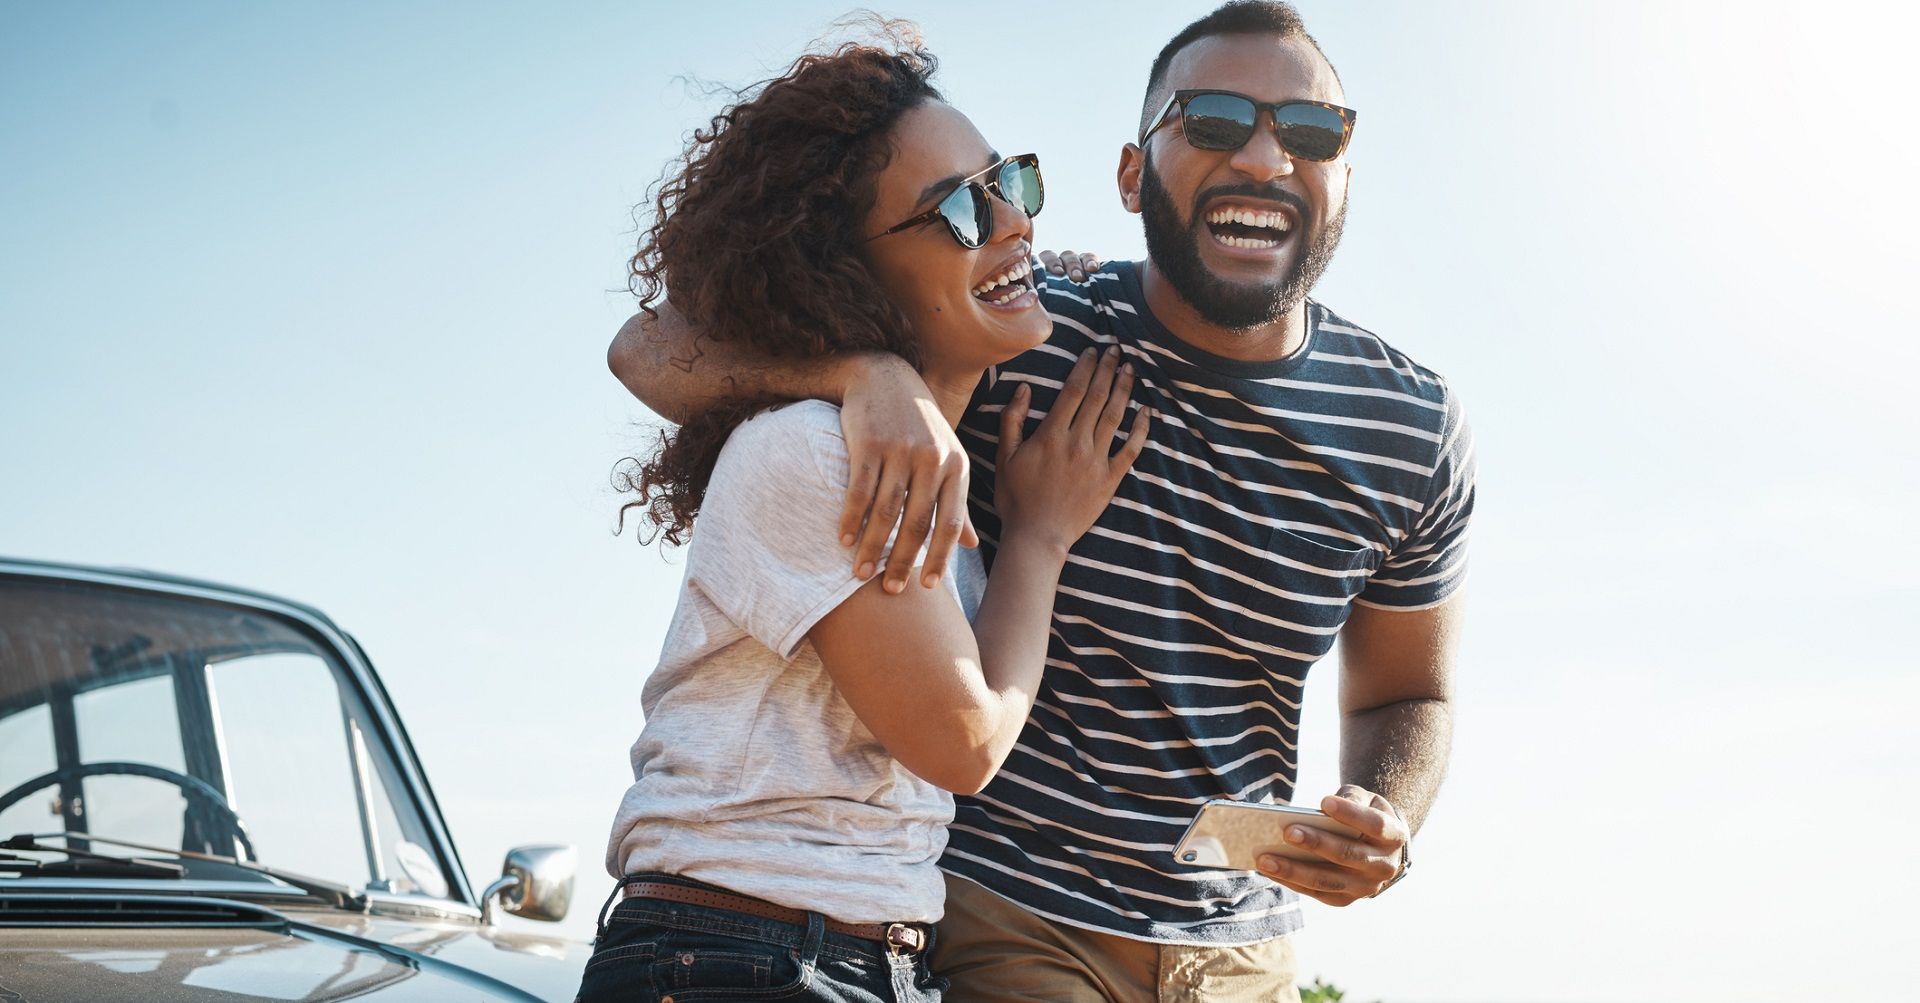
(680,372)
(1399,751)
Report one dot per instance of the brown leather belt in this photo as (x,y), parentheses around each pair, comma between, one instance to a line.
(899,938)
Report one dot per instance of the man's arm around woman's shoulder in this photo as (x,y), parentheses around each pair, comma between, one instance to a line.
(907,466)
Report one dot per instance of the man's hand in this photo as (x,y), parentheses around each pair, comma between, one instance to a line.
(1355,868)
(907,466)
(1074,266)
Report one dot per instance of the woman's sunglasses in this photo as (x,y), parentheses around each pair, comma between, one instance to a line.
(969,216)
(1224,120)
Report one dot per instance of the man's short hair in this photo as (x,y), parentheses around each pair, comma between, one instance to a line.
(1236,17)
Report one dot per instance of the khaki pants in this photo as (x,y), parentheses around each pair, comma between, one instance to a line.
(996,952)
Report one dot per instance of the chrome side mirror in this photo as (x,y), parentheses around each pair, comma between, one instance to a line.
(536,882)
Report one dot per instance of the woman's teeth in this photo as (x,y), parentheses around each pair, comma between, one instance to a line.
(1016,274)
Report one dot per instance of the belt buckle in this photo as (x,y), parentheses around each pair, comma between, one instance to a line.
(905,938)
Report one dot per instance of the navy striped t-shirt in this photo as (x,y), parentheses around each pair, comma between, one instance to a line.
(1270,496)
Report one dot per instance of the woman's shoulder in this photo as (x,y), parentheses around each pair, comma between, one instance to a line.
(797,440)
(792,421)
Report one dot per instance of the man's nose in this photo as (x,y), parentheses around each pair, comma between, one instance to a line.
(1263,158)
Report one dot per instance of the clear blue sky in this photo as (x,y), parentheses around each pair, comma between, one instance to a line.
(314,299)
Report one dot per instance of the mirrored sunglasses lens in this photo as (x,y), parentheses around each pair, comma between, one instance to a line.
(968,215)
(1310,131)
(1218,121)
(1020,182)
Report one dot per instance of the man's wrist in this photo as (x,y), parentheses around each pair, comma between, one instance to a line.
(849,372)
(1406,864)
(1406,852)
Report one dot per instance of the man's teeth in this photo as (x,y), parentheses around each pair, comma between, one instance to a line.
(1019,271)
(1265,220)
(1273,221)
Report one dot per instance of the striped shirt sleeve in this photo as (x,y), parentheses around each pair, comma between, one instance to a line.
(1430,564)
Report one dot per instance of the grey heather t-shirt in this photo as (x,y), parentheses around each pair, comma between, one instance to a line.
(752,773)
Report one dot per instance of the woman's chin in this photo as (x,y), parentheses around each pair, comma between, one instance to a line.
(996,334)
(1039,333)
(1021,323)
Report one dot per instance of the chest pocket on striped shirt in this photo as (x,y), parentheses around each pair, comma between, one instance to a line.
(1297,593)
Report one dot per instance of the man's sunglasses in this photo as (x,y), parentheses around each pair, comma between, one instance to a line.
(968,213)
(1224,120)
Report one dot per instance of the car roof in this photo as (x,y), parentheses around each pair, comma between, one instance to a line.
(136,576)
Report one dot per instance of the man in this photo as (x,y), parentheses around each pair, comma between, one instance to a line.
(1303,481)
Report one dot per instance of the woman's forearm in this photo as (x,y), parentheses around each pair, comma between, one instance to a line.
(1011,630)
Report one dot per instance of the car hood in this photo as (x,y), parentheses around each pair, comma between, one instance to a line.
(304,955)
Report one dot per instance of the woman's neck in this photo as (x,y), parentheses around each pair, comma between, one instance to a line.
(952,391)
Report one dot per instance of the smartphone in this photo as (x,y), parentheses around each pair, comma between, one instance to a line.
(1233,834)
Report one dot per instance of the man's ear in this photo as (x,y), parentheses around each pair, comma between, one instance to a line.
(1133,160)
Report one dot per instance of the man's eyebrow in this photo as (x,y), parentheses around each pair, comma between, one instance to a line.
(952,181)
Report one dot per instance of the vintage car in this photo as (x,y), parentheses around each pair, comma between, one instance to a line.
(205,794)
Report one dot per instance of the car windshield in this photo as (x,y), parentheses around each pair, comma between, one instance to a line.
(189,723)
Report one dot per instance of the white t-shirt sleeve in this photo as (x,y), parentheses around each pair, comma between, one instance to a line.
(766,549)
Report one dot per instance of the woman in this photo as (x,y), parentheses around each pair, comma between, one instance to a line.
(804,728)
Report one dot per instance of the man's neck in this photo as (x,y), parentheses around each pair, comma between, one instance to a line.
(1266,343)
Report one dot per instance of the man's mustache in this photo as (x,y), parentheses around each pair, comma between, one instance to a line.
(1268,193)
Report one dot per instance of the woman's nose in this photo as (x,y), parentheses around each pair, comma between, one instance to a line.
(1009,220)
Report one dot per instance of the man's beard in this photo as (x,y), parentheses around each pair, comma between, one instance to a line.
(1174,248)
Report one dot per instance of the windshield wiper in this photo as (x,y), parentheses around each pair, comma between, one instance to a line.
(83,863)
(337,895)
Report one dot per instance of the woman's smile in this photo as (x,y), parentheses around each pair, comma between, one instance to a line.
(1010,288)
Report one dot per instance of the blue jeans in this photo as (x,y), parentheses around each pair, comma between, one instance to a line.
(650,950)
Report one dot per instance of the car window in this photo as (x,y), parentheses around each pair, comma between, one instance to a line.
(289,772)
(134,722)
(26,750)
(191,723)
(299,763)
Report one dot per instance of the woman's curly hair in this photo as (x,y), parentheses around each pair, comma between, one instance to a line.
(757,235)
